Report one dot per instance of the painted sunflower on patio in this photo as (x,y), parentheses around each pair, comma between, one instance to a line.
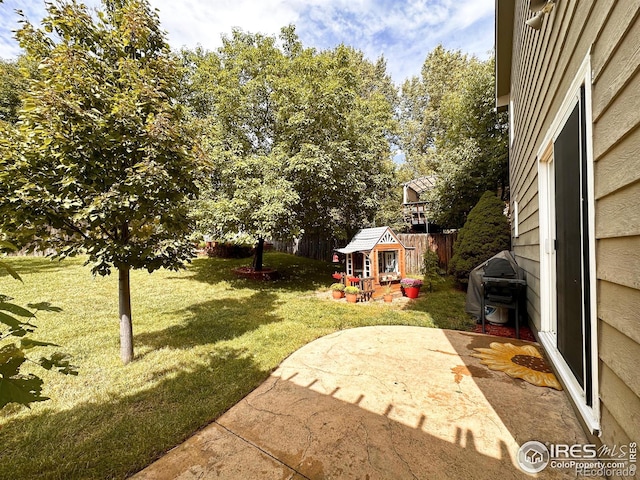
(523,362)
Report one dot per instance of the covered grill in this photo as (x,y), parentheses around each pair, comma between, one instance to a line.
(501,287)
(498,282)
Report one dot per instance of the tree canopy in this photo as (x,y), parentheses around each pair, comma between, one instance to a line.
(12,86)
(485,234)
(298,139)
(450,128)
(100,161)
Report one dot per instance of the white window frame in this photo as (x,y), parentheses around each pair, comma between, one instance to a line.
(366,267)
(391,261)
(512,125)
(548,300)
(516,222)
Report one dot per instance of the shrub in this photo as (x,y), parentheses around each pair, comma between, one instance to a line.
(485,233)
(351,290)
(431,268)
(337,286)
(229,250)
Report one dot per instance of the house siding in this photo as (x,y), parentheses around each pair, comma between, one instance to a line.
(544,63)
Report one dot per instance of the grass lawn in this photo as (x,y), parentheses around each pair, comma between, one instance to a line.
(203,340)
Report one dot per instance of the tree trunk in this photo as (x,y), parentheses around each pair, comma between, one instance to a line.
(126,328)
(257,262)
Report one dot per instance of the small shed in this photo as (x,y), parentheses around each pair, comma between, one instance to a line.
(376,253)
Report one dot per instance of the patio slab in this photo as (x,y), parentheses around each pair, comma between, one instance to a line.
(388,402)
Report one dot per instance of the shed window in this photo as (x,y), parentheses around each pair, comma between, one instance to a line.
(388,262)
(357,262)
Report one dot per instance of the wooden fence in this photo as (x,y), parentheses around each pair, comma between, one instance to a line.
(309,247)
(322,249)
(441,243)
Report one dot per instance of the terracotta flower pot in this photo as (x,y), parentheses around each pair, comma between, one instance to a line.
(412,292)
(388,298)
(337,294)
(352,297)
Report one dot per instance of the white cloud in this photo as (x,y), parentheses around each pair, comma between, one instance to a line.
(202,22)
(404,31)
(9,21)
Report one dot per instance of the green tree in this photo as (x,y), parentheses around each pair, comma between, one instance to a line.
(451,128)
(100,162)
(422,101)
(485,233)
(390,210)
(414,140)
(299,139)
(246,191)
(12,86)
(339,125)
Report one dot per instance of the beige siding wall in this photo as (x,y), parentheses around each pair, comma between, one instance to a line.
(544,65)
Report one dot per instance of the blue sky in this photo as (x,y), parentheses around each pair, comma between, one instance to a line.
(404,31)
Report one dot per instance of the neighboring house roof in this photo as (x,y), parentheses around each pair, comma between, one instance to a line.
(422,184)
(367,238)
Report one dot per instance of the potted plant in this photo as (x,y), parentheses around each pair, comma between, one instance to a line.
(411,287)
(388,296)
(353,279)
(337,290)
(352,294)
(336,275)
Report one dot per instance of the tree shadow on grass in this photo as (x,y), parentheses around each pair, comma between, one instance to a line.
(27,265)
(216,270)
(116,438)
(297,274)
(213,321)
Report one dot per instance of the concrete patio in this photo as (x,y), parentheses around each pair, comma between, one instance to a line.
(387,402)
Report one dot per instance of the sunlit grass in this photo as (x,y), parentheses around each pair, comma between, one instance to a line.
(203,340)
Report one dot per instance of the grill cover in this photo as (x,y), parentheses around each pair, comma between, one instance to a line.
(473,303)
(499,268)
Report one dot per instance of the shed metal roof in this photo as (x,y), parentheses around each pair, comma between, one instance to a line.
(365,240)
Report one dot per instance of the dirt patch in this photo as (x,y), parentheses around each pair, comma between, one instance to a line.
(265,274)
(398,302)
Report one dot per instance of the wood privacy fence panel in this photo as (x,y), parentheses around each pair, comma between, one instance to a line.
(322,249)
(285,247)
(316,248)
(441,243)
(309,247)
